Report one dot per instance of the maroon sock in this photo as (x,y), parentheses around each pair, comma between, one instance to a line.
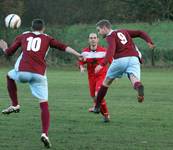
(45,117)
(101,94)
(137,85)
(103,108)
(12,91)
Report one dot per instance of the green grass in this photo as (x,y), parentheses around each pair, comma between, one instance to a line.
(133,126)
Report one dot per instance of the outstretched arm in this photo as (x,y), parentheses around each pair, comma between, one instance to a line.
(12,49)
(151,46)
(72,51)
(61,46)
(3,45)
(143,35)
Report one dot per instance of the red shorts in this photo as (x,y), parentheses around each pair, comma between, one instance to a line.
(95,84)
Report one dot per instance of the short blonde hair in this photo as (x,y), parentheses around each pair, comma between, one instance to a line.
(91,34)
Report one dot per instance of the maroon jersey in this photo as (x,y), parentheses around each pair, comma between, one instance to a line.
(34,47)
(120,43)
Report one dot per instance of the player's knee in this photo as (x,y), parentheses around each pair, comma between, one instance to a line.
(8,77)
(107,82)
(43,100)
(133,76)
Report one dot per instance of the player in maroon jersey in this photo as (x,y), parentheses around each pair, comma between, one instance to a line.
(93,55)
(126,58)
(30,68)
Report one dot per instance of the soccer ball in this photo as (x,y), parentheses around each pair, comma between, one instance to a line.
(12,21)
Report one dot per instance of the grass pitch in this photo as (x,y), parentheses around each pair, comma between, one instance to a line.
(133,126)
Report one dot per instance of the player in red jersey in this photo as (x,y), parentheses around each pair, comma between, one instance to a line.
(93,55)
(30,68)
(126,58)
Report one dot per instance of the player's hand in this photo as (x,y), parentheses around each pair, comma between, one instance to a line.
(84,59)
(3,45)
(98,68)
(80,58)
(82,69)
(150,45)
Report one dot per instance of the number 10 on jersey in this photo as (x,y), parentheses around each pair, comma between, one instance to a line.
(33,44)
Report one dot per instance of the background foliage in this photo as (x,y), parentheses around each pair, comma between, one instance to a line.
(82,11)
(71,21)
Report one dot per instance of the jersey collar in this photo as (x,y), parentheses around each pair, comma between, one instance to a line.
(110,32)
(36,32)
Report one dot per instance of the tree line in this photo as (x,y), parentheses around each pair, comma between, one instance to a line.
(88,11)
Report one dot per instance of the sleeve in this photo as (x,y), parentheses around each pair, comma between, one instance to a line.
(82,62)
(110,50)
(110,60)
(15,45)
(57,44)
(141,34)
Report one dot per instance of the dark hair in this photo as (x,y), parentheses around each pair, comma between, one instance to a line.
(103,23)
(37,24)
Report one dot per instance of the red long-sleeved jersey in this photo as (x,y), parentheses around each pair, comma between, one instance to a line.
(94,58)
(120,44)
